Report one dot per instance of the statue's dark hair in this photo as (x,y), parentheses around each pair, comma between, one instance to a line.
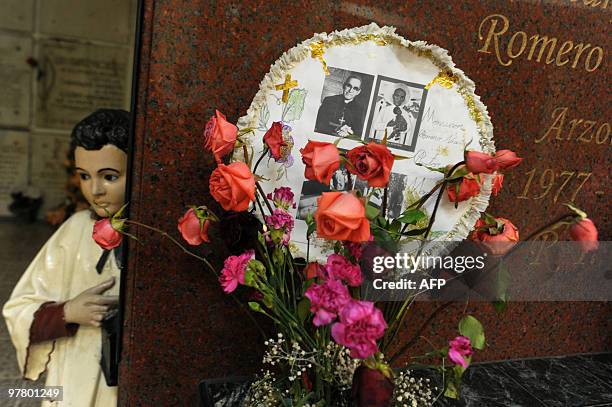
(102,127)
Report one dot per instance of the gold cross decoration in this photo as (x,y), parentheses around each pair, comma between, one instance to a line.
(286,86)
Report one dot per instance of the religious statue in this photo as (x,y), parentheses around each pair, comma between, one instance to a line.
(56,310)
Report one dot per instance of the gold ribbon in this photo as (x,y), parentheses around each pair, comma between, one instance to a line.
(444,79)
(317,49)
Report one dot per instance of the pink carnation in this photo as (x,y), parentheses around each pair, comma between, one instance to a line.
(280,219)
(361,325)
(233,270)
(327,300)
(458,348)
(339,268)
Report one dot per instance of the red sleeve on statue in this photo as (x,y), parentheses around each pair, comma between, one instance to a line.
(49,323)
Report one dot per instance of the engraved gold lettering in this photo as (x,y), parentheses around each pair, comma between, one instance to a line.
(548,178)
(600,130)
(525,195)
(566,47)
(569,175)
(493,18)
(557,125)
(580,51)
(598,62)
(494,28)
(586,176)
(574,122)
(588,126)
(535,39)
(522,46)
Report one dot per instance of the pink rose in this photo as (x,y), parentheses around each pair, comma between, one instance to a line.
(459,348)
(339,268)
(105,235)
(361,325)
(219,135)
(497,183)
(341,216)
(192,229)
(233,270)
(321,161)
(468,188)
(498,238)
(274,140)
(585,232)
(326,300)
(233,186)
(477,162)
(372,163)
(507,159)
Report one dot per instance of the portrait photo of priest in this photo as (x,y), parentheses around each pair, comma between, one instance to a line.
(396,111)
(344,101)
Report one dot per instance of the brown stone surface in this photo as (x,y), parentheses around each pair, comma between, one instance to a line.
(200,55)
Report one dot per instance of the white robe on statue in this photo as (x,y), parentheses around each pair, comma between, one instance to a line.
(64,267)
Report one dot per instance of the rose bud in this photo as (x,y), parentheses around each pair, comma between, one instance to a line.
(219,136)
(585,232)
(193,229)
(477,162)
(496,237)
(105,235)
(371,163)
(313,270)
(233,186)
(274,140)
(321,161)
(341,216)
(497,183)
(459,349)
(468,187)
(507,159)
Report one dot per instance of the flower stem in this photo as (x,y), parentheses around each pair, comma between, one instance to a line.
(263,196)
(176,242)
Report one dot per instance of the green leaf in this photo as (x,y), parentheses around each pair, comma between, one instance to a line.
(303,309)
(415,232)
(371,212)
(472,328)
(411,216)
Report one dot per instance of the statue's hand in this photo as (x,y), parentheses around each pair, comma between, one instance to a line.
(89,307)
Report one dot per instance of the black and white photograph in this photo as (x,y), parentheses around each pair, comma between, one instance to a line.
(344,102)
(397,109)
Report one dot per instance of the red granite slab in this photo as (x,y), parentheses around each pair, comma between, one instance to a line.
(200,55)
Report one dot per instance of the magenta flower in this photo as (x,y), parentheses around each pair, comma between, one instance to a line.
(339,267)
(327,300)
(361,325)
(280,219)
(233,270)
(458,348)
(282,198)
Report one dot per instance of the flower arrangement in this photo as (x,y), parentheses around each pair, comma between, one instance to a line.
(331,342)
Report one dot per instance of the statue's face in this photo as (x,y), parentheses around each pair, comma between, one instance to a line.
(102,174)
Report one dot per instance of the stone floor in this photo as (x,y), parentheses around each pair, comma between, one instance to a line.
(20,243)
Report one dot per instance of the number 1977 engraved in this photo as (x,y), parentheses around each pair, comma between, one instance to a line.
(547,181)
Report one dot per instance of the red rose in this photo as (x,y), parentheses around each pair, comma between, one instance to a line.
(497,183)
(219,136)
(468,187)
(192,230)
(274,139)
(321,160)
(585,232)
(477,162)
(507,159)
(105,235)
(371,388)
(341,216)
(372,163)
(233,186)
(498,238)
